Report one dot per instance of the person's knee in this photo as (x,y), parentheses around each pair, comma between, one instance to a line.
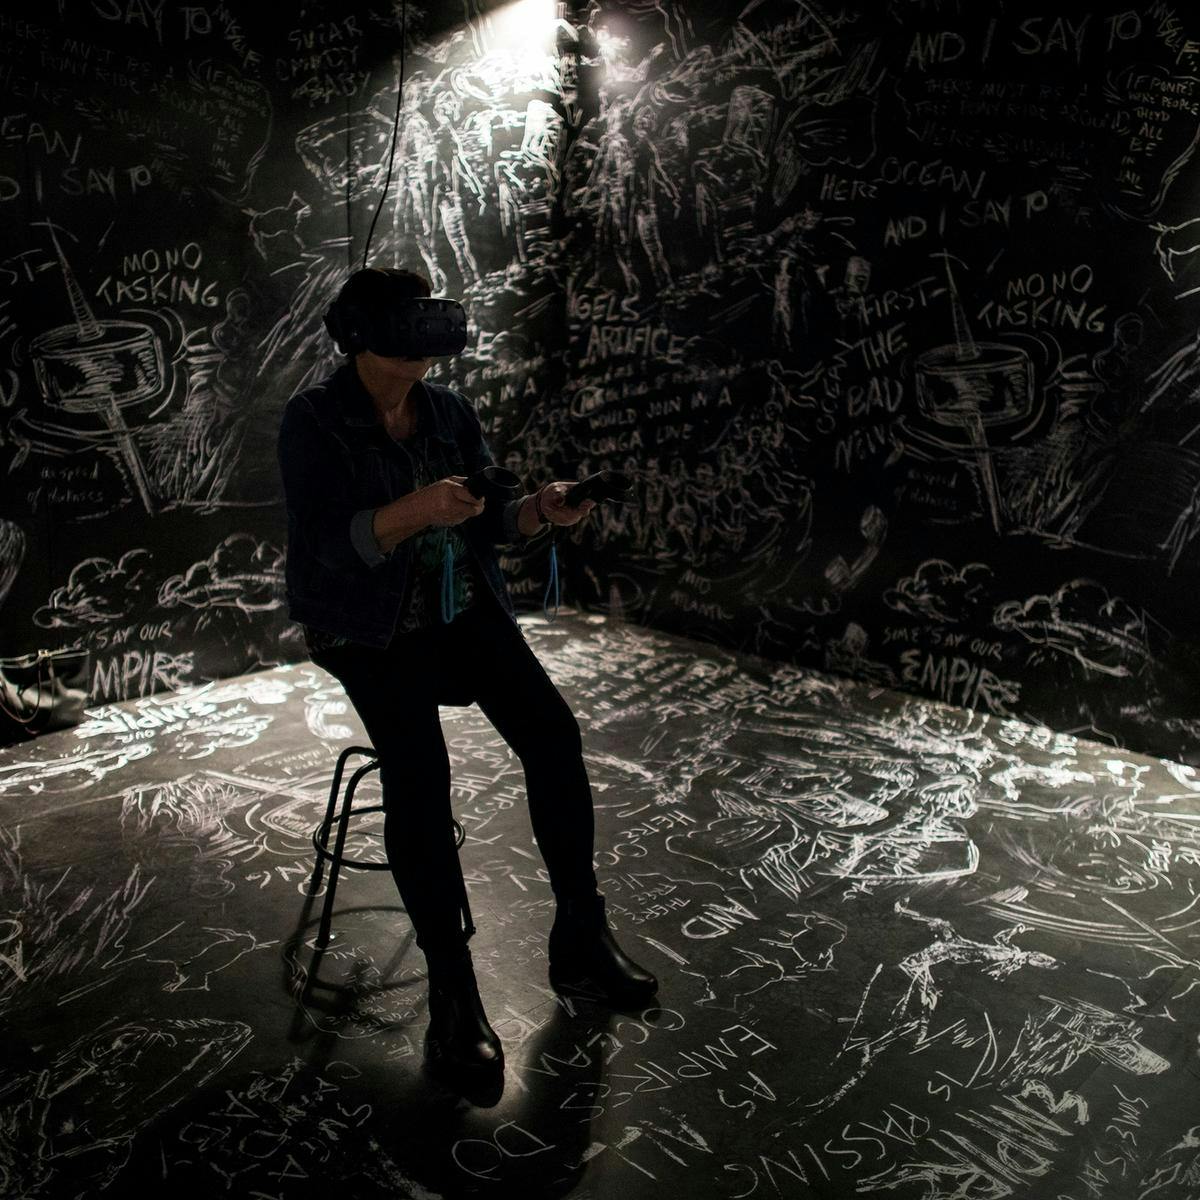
(547,734)
(403,781)
(570,736)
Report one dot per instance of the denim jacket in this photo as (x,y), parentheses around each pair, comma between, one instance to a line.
(338,465)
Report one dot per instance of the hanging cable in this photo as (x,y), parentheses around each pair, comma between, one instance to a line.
(395,130)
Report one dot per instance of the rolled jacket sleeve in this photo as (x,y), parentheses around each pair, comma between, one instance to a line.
(362,537)
(512,513)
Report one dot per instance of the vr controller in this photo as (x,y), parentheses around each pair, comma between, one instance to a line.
(605,485)
(493,483)
(408,328)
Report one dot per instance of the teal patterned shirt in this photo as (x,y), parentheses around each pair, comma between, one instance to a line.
(428,555)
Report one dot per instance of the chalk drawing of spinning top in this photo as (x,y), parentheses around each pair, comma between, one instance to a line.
(975,387)
(99,368)
(12,554)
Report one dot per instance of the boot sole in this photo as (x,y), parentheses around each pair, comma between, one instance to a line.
(578,990)
(435,1054)
(483,1087)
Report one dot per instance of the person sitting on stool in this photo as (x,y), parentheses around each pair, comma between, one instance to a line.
(393,573)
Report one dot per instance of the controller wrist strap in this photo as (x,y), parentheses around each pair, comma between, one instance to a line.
(553,584)
(448,612)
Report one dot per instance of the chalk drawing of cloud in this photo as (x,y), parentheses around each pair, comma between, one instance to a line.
(241,573)
(1101,632)
(100,591)
(939,591)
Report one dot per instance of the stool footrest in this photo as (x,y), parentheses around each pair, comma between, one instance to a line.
(320,841)
(337,857)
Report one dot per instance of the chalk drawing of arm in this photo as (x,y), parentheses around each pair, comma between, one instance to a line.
(1065,1030)
(895,1009)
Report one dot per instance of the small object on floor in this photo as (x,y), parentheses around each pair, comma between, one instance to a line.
(586,962)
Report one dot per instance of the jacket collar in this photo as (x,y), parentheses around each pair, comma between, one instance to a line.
(359,413)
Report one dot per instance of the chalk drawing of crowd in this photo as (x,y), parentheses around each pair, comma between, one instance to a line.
(628,141)
(686,185)
(475,165)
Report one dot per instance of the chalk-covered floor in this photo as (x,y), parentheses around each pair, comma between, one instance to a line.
(904,949)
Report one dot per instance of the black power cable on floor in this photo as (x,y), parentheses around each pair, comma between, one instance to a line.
(395,128)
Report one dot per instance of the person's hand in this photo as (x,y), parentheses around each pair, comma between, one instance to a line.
(447,502)
(555,508)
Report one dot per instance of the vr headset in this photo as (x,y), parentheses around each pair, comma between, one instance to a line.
(395,326)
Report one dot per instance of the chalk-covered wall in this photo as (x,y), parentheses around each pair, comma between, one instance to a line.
(890,308)
(895,309)
(140,272)
(185,187)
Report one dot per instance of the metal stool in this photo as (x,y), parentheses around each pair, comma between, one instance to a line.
(337,857)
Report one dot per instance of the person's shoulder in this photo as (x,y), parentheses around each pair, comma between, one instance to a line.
(322,396)
(449,395)
(449,399)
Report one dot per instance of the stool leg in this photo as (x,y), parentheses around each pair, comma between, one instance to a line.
(321,837)
(339,846)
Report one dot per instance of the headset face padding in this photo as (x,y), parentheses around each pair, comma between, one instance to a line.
(407,327)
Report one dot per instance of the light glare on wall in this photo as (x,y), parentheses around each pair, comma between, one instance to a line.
(518,24)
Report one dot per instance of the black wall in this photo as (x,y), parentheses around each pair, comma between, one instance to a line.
(892,309)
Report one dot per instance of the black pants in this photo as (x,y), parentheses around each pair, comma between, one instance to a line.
(479,657)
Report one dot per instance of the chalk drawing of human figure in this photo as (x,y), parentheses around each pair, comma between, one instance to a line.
(706,488)
(528,176)
(900,998)
(608,188)
(648,180)
(793,253)
(728,177)
(681,516)
(618,518)
(736,503)
(416,157)
(654,537)
(450,171)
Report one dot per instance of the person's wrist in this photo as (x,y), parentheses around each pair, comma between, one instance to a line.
(417,503)
(537,508)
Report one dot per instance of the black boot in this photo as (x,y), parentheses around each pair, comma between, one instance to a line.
(586,961)
(459,1042)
